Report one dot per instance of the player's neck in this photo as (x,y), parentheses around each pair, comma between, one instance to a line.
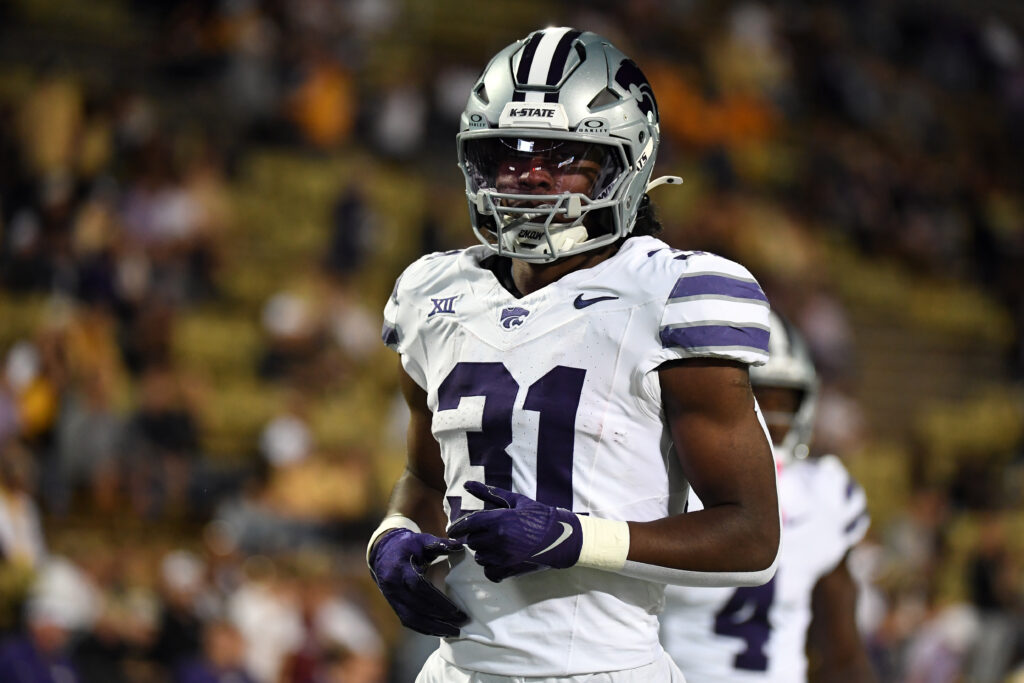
(529,277)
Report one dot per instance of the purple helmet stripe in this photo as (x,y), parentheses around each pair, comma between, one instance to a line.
(526,60)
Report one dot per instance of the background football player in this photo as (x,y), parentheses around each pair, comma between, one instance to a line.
(760,633)
(563,377)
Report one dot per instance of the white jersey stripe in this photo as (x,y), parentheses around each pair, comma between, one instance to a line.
(722,350)
(705,323)
(750,311)
(717,273)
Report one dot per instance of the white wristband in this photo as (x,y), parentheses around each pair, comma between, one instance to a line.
(390,522)
(605,543)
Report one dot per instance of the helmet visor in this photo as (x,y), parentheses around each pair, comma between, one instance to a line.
(541,166)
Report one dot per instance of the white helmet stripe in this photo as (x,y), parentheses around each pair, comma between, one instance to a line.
(544,54)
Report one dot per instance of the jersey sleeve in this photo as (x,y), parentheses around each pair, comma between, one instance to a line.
(715,309)
(389,333)
(845,500)
(399,329)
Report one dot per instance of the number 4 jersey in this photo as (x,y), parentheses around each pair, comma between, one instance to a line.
(725,635)
(554,396)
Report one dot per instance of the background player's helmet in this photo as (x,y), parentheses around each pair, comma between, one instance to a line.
(790,366)
(561,95)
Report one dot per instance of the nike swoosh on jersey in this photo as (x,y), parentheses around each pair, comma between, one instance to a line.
(566,533)
(580,302)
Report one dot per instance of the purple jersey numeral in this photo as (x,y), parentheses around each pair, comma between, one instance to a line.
(745,616)
(556,396)
(487,446)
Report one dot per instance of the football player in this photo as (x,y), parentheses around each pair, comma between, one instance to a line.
(760,633)
(563,377)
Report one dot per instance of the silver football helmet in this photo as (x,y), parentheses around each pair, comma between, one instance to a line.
(557,144)
(789,366)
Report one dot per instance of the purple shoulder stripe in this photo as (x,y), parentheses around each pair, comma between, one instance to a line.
(713,285)
(708,336)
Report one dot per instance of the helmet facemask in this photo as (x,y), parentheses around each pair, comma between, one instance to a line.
(539,198)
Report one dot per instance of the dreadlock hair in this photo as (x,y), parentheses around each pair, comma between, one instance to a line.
(647,222)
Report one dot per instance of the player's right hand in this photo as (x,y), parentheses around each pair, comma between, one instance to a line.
(398,563)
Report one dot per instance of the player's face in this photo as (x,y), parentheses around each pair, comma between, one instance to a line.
(551,169)
(779,406)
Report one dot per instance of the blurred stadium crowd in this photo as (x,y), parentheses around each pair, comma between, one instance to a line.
(203,206)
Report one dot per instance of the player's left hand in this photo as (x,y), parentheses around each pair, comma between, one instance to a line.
(520,536)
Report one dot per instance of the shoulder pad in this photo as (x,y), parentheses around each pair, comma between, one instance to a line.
(715,307)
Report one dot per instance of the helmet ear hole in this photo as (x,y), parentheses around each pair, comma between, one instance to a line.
(605,98)
(481,92)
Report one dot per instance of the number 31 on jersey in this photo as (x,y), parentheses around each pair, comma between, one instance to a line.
(555,397)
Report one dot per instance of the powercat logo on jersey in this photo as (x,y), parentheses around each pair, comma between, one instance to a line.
(534,115)
(513,316)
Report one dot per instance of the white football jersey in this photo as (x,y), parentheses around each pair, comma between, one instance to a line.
(554,396)
(725,635)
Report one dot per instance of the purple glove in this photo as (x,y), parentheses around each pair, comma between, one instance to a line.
(521,536)
(398,562)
